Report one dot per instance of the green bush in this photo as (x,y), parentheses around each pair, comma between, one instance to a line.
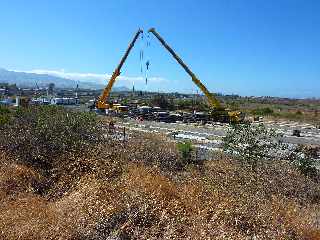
(306,159)
(36,135)
(262,111)
(307,166)
(5,115)
(252,143)
(185,149)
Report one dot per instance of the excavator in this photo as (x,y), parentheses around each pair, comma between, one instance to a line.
(101,104)
(217,112)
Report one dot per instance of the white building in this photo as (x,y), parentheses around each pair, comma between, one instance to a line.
(65,101)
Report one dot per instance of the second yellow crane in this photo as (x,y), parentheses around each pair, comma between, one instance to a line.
(102,103)
(218,112)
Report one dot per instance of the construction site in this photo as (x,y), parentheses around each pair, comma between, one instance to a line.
(82,163)
(200,118)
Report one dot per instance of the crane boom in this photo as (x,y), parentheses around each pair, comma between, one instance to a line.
(211,99)
(102,102)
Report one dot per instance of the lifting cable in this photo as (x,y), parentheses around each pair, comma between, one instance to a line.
(141,53)
(141,58)
(148,59)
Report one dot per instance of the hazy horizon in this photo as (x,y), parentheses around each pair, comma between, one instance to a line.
(125,81)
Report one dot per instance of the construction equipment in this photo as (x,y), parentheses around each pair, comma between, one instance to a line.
(102,103)
(218,112)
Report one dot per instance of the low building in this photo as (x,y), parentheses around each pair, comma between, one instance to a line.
(6,101)
(65,101)
(40,101)
(2,91)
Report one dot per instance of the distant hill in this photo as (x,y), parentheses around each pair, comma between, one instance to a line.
(29,80)
(23,79)
(121,89)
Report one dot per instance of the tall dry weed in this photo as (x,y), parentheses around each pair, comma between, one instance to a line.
(138,190)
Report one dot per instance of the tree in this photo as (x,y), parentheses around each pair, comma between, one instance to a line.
(51,88)
(162,102)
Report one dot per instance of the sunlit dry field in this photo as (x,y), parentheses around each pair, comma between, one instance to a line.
(143,189)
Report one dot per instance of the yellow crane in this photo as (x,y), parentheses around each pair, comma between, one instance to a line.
(218,112)
(102,103)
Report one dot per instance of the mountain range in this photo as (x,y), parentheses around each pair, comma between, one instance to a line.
(31,80)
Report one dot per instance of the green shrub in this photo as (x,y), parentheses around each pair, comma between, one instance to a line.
(5,115)
(37,135)
(185,149)
(262,111)
(307,166)
(306,159)
(252,143)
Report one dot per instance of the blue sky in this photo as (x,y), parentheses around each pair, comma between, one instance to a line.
(247,47)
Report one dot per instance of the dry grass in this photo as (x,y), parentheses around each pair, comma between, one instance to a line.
(140,191)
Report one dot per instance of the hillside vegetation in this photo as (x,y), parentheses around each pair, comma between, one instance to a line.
(63,175)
